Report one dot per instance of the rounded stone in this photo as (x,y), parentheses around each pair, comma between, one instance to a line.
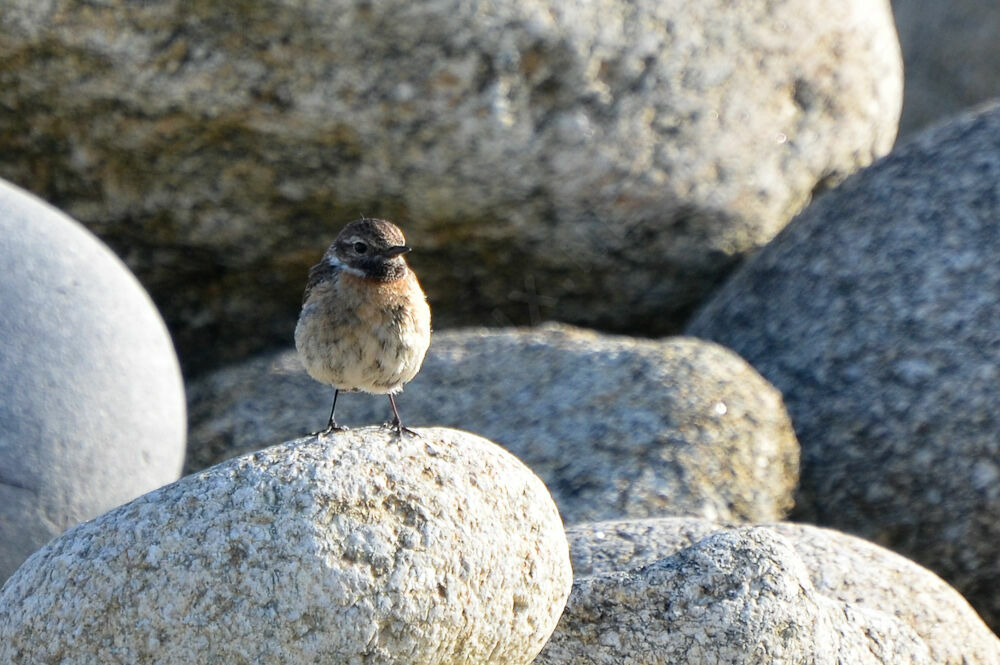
(93,410)
(740,596)
(875,313)
(849,571)
(616,426)
(363,546)
(602,162)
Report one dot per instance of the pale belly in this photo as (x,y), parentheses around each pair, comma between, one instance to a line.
(376,350)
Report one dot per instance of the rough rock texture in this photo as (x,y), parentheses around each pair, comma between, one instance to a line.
(842,568)
(363,547)
(92,407)
(615,426)
(950,51)
(739,596)
(602,162)
(875,313)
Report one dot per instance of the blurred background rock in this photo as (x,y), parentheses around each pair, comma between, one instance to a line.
(615,426)
(92,409)
(875,314)
(603,163)
(950,54)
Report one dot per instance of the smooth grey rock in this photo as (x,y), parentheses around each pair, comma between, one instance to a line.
(950,55)
(844,569)
(738,596)
(615,426)
(875,313)
(92,409)
(361,547)
(602,162)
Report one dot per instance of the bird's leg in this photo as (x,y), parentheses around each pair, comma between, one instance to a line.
(332,425)
(397,424)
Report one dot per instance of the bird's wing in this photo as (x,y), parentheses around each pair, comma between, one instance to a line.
(319,273)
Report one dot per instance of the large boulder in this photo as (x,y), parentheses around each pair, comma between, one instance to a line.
(904,612)
(616,426)
(601,162)
(92,407)
(950,55)
(740,597)
(875,313)
(361,547)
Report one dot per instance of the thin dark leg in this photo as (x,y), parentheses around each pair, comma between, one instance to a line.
(332,422)
(332,425)
(397,424)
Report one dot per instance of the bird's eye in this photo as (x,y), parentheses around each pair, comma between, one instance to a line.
(360,247)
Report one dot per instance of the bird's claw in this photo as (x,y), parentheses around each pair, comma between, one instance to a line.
(400,429)
(330,429)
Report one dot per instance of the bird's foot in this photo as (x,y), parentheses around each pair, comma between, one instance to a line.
(330,429)
(400,429)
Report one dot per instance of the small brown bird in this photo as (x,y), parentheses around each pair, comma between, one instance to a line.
(365,324)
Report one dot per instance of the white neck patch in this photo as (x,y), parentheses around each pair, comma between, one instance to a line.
(336,263)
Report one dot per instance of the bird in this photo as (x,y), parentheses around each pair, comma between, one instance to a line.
(365,324)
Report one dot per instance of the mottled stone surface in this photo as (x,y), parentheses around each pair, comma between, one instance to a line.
(875,313)
(614,425)
(602,162)
(362,547)
(92,409)
(738,596)
(950,51)
(844,569)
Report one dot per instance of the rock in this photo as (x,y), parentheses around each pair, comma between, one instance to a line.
(738,596)
(92,411)
(875,314)
(363,547)
(847,570)
(601,162)
(615,426)
(950,53)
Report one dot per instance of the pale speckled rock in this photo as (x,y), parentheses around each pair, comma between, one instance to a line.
(602,162)
(843,568)
(739,596)
(950,55)
(615,426)
(363,547)
(91,399)
(875,313)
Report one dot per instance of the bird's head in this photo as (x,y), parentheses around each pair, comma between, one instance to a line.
(370,248)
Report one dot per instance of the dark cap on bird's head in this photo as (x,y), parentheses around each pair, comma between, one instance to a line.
(370,248)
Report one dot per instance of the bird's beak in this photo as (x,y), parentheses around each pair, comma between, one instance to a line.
(397,250)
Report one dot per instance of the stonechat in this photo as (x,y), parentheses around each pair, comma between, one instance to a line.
(365,324)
